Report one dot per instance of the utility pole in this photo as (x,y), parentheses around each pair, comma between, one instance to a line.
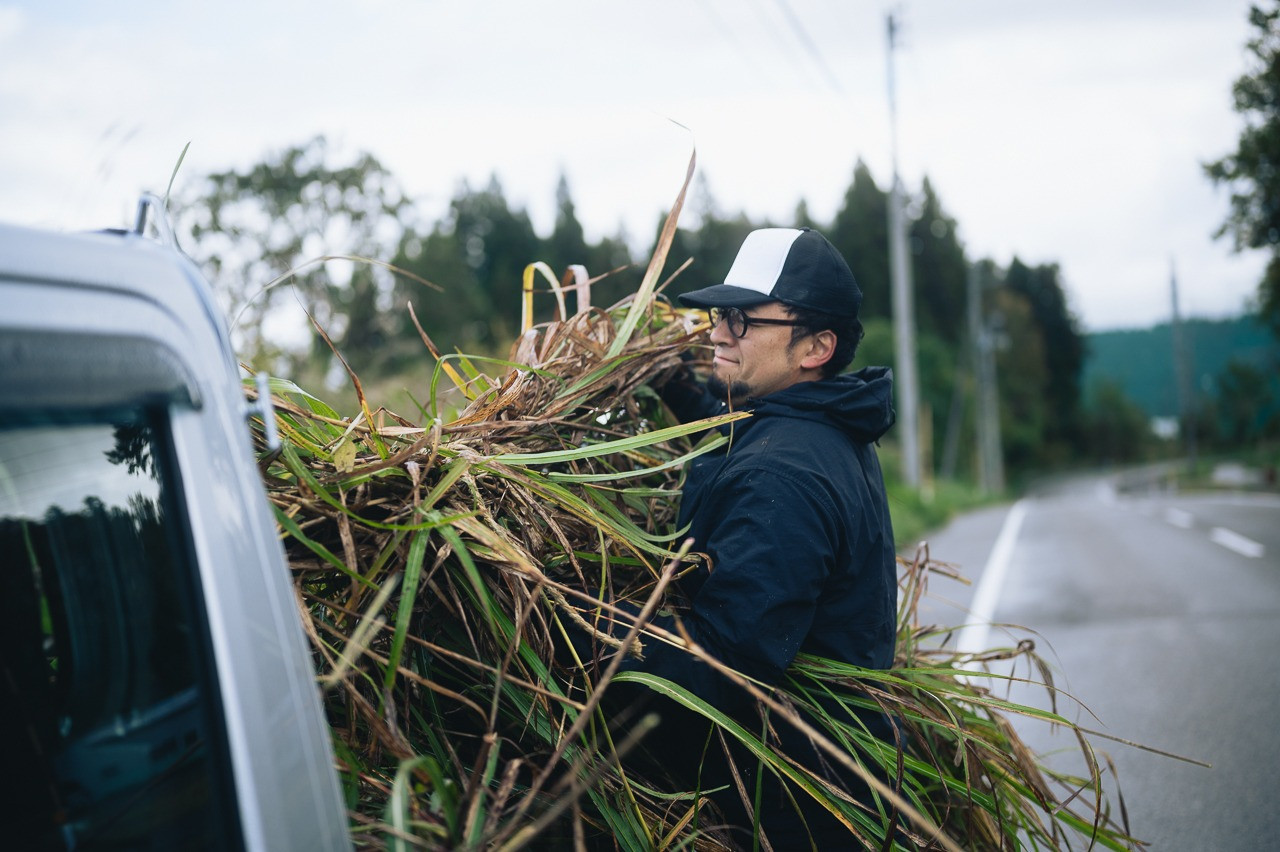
(1182,368)
(986,398)
(908,394)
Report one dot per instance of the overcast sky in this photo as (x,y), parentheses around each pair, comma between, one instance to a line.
(1070,133)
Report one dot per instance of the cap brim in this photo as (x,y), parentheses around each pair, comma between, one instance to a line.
(724,296)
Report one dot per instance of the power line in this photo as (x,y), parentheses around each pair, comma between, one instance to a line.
(811,48)
(786,47)
(795,55)
(722,26)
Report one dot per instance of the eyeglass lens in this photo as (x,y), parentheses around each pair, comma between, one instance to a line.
(733,317)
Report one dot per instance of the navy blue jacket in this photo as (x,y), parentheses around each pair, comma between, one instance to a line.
(794,523)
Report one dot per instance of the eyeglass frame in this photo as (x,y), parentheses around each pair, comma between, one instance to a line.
(728,315)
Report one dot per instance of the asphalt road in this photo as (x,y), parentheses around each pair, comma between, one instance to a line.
(1161,613)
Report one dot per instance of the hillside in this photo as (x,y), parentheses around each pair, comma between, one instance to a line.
(1141,360)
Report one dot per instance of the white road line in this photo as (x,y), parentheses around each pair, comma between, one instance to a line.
(1179,518)
(973,638)
(1234,541)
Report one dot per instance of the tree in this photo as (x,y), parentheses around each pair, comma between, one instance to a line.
(1119,432)
(861,233)
(1246,405)
(939,271)
(1063,349)
(1024,380)
(802,218)
(610,255)
(567,244)
(497,242)
(246,229)
(457,315)
(1252,172)
(712,245)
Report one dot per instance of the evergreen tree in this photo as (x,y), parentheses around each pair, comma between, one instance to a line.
(684,247)
(712,245)
(716,245)
(1062,349)
(497,243)
(939,272)
(861,233)
(611,258)
(456,313)
(1024,381)
(1246,405)
(1252,172)
(567,244)
(802,219)
(1118,429)
(604,261)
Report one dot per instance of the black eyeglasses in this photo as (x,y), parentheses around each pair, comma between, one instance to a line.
(739,322)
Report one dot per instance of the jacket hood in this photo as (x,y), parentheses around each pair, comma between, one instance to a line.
(860,403)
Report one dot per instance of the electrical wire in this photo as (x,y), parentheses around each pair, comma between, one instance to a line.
(811,48)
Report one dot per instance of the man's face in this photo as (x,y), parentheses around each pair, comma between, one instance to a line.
(759,363)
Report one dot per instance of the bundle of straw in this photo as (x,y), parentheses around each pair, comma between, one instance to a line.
(442,568)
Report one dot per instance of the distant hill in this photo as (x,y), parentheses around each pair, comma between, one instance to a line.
(1141,360)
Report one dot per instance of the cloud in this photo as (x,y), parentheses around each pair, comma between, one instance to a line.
(12,21)
(1067,133)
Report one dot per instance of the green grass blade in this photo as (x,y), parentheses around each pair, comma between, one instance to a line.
(412,573)
(613,476)
(644,295)
(317,548)
(621,445)
(397,811)
(760,750)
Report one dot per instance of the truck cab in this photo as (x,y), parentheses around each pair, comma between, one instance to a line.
(156,686)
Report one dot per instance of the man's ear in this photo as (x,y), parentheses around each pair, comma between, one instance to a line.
(821,346)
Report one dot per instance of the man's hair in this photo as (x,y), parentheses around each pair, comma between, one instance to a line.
(848,331)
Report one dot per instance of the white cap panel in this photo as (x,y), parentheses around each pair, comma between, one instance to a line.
(760,260)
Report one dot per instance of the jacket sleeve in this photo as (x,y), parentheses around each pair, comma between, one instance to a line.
(771,548)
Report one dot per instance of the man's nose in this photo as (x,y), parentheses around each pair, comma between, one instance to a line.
(720,333)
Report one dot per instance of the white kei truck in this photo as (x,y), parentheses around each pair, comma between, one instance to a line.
(156,688)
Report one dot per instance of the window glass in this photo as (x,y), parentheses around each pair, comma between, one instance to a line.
(108,688)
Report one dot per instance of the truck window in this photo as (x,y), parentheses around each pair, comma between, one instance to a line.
(108,702)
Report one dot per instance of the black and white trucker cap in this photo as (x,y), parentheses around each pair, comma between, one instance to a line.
(793,266)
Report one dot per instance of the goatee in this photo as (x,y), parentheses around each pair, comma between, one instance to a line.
(729,391)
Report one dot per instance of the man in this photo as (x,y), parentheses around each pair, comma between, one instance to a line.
(791,518)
